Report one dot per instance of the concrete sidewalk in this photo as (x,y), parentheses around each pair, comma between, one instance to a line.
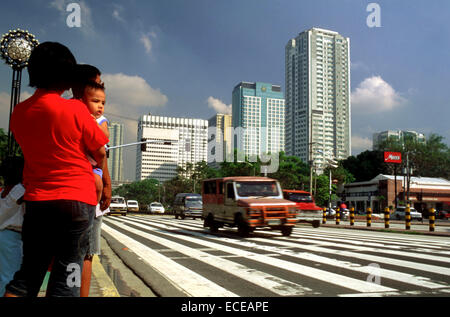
(101,283)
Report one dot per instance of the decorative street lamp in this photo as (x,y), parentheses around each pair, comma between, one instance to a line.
(15,48)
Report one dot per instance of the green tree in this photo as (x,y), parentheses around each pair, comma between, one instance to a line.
(292,172)
(145,191)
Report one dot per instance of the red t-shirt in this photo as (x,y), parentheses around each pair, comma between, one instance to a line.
(54,135)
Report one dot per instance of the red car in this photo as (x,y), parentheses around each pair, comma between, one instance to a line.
(308,211)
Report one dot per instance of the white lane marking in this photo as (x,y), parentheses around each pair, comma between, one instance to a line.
(187,281)
(325,276)
(385,273)
(267,281)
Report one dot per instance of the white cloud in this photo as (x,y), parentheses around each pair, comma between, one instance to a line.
(117,13)
(374,95)
(218,105)
(146,39)
(360,144)
(132,92)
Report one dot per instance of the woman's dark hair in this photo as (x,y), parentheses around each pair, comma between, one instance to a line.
(84,73)
(51,66)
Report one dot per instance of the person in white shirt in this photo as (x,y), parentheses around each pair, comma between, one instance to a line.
(12,210)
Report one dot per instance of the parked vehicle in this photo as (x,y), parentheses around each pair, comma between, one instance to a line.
(132,205)
(118,206)
(156,208)
(443,214)
(308,211)
(399,213)
(247,203)
(188,205)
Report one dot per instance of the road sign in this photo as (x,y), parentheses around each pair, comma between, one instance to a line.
(392,157)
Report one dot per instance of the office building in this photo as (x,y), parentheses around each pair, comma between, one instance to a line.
(219,138)
(174,143)
(396,136)
(318,109)
(115,159)
(258,110)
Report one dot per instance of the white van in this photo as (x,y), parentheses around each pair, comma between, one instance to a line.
(132,205)
(118,206)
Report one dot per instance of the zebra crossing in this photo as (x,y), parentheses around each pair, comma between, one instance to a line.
(310,262)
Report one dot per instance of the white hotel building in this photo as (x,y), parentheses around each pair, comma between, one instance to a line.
(177,141)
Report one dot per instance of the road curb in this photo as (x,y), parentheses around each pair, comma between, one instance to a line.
(106,286)
(161,286)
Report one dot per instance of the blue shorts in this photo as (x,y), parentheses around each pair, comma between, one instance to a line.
(98,171)
(10,256)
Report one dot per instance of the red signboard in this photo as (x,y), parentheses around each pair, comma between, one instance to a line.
(392,157)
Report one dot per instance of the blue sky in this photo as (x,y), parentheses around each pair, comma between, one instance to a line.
(184,57)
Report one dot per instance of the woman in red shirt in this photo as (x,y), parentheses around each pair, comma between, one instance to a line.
(55,134)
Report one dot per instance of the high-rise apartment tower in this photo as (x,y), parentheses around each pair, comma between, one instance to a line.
(318,109)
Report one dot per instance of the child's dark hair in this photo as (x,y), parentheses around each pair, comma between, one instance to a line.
(11,170)
(83,74)
(93,85)
(51,66)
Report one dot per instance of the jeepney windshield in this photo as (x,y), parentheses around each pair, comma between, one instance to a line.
(261,189)
(193,202)
(300,197)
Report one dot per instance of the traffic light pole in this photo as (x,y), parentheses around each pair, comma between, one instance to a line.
(138,143)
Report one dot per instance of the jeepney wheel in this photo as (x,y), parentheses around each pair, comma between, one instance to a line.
(286,231)
(316,223)
(176,216)
(209,222)
(243,228)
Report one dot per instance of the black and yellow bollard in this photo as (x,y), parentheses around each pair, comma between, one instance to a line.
(369,217)
(432,217)
(407,217)
(352,216)
(387,215)
(338,216)
(324,219)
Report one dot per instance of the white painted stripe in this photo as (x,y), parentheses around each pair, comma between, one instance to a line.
(413,265)
(277,285)
(384,273)
(382,246)
(325,276)
(189,282)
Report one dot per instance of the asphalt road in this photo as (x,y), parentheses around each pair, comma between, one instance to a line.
(180,258)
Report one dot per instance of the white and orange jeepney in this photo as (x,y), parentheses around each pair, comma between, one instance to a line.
(248,203)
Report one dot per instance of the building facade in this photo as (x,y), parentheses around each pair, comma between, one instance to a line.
(380,192)
(399,136)
(219,138)
(115,159)
(318,106)
(175,142)
(258,118)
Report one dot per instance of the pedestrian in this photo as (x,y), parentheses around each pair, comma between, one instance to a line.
(91,92)
(83,74)
(11,219)
(55,134)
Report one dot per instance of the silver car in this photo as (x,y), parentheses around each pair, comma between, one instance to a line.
(399,213)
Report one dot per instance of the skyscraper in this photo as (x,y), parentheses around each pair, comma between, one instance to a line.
(258,109)
(115,160)
(179,141)
(318,109)
(219,139)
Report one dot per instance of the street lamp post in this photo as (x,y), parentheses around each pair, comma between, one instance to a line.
(15,48)
(331,163)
